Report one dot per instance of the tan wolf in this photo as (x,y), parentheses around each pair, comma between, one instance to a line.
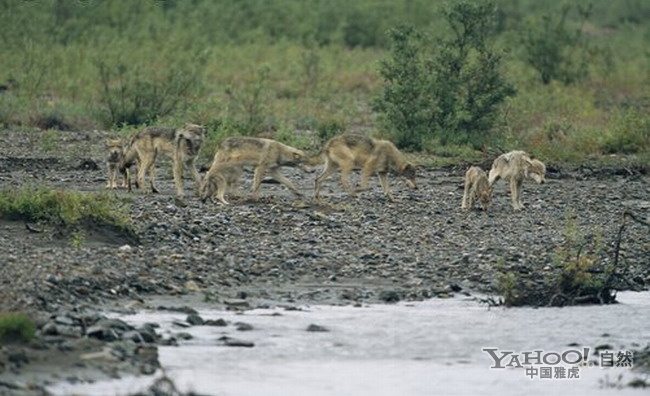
(181,145)
(115,149)
(515,167)
(349,152)
(221,177)
(264,154)
(477,187)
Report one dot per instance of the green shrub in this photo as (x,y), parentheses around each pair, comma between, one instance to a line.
(143,93)
(556,50)
(452,96)
(327,129)
(248,106)
(629,133)
(16,327)
(405,105)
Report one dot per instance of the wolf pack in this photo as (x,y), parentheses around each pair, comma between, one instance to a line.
(343,153)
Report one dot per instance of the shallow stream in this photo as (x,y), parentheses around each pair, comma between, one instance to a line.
(432,347)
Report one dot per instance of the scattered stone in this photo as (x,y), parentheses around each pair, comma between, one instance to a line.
(125,248)
(184,336)
(389,296)
(237,305)
(181,324)
(234,342)
(195,320)
(242,326)
(191,286)
(185,310)
(317,328)
(603,347)
(17,356)
(216,322)
(49,329)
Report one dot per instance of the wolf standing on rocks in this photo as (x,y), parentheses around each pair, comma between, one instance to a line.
(181,145)
(477,187)
(115,154)
(515,167)
(349,152)
(264,154)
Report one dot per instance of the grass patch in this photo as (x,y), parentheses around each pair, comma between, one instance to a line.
(69,210)
(16,327)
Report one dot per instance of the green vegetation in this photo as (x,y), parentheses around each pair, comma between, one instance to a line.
(451,96)
(69,210)
(16,327)
(582,273)
(292,67)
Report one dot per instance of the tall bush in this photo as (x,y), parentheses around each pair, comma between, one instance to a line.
(452,95)
(556,49)
(140,94)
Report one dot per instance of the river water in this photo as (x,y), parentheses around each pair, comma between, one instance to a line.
(432,347)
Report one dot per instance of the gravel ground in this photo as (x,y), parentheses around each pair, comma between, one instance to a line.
(283,250)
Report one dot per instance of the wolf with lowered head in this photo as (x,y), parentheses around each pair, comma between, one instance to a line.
(221,178)
(349,151)
(266,155)
(477,187)
(515,167)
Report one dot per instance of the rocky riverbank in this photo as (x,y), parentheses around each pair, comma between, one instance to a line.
(279,250)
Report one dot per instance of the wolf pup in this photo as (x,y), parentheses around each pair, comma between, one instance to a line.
(349,152)
(264,154)
(477,187)
(515,167)
(115,154)
(221,177)
(181,145)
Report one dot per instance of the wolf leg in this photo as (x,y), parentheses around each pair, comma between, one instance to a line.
(345,181)
(385,185)
(463,204)
(257,179)
(152,177)
(494,176)
(109,182)
(222,186)
(327,171)
(142,171)
(366,172)
(275,173)
(178,176)
(515,188)
(195,174)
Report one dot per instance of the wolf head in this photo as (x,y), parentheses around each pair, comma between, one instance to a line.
(536,170)
(208,187)
(408,174)
(292,157)
(115,150)
(192,135)
(485,198)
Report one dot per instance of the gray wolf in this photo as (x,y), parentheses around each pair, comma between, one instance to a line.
(221,177)
(515,167)
(264,154)
(477,187)
(348,152)
(181,145)
(115,149)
